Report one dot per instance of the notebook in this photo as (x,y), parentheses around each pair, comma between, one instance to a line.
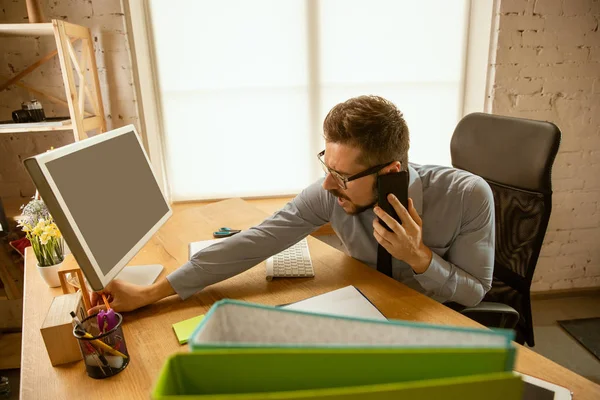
(347,301)
(195,247)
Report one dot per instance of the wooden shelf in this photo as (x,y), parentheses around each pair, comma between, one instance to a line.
(44,29)
(79,73)
(88,124)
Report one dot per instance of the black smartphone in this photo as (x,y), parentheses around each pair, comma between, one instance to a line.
(396,184)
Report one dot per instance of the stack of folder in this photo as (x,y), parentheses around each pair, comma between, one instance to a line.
(247,351)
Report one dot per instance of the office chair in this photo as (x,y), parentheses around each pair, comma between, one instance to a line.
(515,157)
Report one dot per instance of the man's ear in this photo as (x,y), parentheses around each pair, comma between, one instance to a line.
(392,167)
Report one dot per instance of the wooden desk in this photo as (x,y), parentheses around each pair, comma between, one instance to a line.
(150,338)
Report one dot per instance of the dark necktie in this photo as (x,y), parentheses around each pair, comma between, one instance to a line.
(384,261)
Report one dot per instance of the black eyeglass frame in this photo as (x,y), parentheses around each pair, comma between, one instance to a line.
(343,180)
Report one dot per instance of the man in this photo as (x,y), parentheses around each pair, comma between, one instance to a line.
(444,247)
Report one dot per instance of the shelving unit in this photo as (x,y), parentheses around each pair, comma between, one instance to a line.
(87,86)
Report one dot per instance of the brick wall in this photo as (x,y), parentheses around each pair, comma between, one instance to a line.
(106,21)
(548,68)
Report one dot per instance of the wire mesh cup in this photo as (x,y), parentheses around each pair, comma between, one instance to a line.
(104,354)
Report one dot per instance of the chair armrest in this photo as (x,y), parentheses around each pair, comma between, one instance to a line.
(493,315)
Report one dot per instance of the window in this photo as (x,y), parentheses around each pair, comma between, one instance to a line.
(245,86)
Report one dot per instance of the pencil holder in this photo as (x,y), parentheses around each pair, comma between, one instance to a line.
(104,354)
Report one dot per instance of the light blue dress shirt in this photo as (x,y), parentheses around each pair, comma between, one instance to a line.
(457,209)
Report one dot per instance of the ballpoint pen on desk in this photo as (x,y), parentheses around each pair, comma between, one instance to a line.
(225,232)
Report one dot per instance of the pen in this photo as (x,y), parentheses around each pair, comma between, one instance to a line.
(82,332)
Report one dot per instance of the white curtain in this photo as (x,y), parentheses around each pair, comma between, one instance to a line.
(245,85)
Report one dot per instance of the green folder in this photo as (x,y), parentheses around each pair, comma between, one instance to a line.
(272,373)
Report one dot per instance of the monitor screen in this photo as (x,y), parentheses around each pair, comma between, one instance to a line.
(107,194)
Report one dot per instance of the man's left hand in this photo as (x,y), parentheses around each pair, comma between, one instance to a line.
(404,242)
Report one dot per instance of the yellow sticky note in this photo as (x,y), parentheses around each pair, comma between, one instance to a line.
(184,329)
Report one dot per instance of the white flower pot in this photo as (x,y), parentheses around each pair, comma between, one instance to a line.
(50,274)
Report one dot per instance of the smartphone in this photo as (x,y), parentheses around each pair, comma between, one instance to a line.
(397,184)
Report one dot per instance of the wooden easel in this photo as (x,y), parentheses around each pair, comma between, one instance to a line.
(70,266)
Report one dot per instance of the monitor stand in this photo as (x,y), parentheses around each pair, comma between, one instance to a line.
(143,275)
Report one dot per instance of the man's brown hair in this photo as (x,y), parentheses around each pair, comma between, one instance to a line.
(374,125)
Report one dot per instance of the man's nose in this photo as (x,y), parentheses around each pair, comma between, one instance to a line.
(329,183)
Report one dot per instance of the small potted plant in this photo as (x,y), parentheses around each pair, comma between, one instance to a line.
(46,240)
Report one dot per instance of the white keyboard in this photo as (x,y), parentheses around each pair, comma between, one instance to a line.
(294,262)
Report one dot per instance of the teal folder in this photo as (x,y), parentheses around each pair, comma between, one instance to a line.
(416,374)
(238,324)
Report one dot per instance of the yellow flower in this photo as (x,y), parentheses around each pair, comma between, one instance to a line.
(38,229)
(51,230)
(44,238)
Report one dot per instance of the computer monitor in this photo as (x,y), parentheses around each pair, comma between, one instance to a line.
(104,197)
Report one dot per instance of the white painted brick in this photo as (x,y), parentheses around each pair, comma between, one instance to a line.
(513,6)
(106,7)
(565,85)
(591,38)
(568,184)
(549,55)
(521,22)
(567,108)
(538,38)
(570,37)
(592,271)
(507,72)
(577,7)
(533,102)
(565,267)
(581,23)
(550,249)
(113,41)
(596,86)
(548,7)
(539,286)
(504,102)
(511,55)
(510,39)
(539,115)
(75,11)
(108,22)
(563,284)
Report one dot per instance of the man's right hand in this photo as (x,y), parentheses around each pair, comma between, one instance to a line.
(125,296)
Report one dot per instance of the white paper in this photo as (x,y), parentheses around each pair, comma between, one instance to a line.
(346,301)
(195,247)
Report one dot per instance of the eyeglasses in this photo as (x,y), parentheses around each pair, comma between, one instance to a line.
(341,180)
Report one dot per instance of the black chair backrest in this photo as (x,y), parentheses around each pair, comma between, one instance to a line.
(515,157)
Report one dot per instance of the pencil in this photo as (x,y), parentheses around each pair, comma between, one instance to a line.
(105,346)
(105,302)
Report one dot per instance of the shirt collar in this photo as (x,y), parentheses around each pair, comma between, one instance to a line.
(415,189)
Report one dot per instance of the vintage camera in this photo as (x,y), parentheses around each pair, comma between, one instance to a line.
(31,111)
